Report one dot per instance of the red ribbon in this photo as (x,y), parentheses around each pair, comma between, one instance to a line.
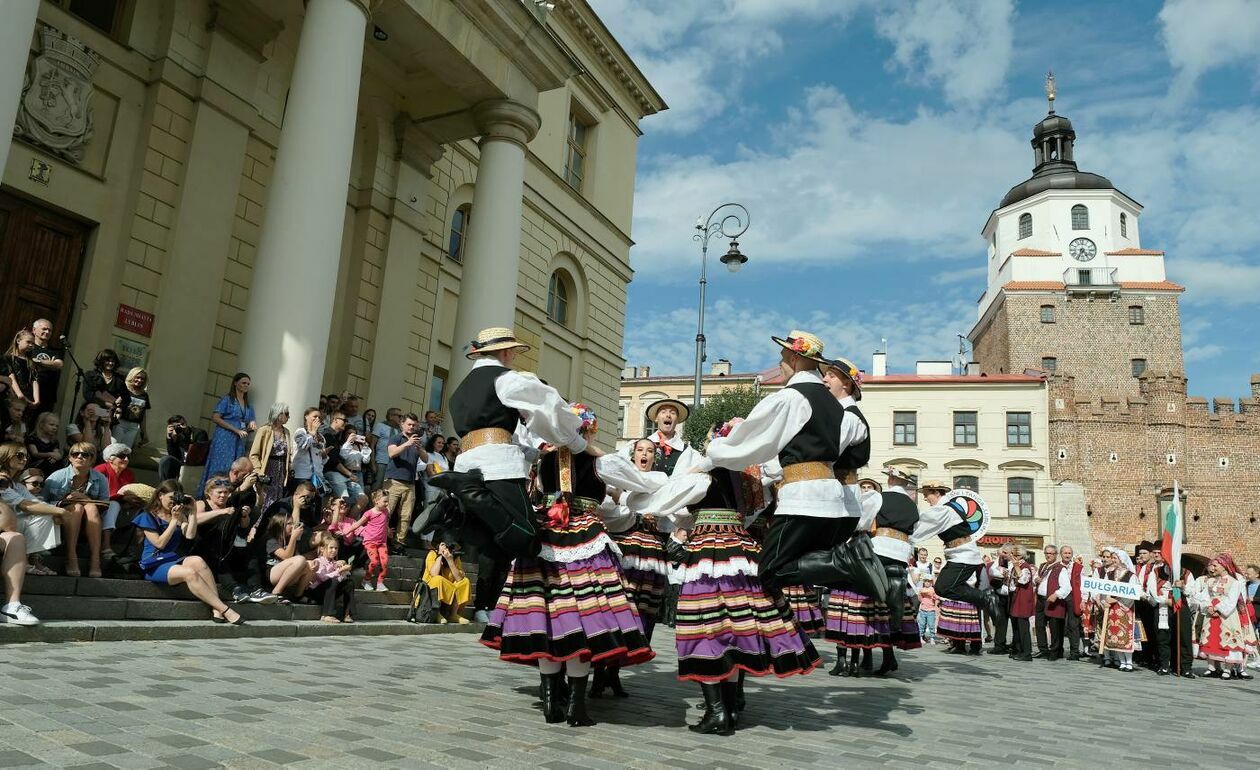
(558,514)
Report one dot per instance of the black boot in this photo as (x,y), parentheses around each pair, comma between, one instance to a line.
(576,712)
(599,678)
(739,692)
(733,702)
(868,660)
(888,664)
(716,720)
(851,565)
(553,711)
(613,680)
(841,668)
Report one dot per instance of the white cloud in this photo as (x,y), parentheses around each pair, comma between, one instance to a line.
(1193,333)
(1201,36)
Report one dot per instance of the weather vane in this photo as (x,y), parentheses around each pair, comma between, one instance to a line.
(1050,92)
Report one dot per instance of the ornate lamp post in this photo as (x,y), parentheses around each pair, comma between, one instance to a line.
(732,223)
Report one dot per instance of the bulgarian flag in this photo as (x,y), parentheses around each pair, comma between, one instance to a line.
(1174,532)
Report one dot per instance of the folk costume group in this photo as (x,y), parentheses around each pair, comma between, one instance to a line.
(589,542)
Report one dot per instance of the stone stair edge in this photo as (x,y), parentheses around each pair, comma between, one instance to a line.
(156,630)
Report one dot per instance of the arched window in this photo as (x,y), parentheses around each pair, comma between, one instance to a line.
(1124,225)
(459,232)
(1025,226)
(558,298)
(1080,217)
(967,482)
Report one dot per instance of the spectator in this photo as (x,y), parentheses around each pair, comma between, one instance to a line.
(381,435)
(13,569)
(227,535)
(435,447)
(288,571)
(404,453)
(928,603)
(102,385)
(48,363)
(373,529)
(330,584)
(130,409)
(21,368)
(342,480)
(272,455)
(13,421)
(340,524)
(332,403)
(355,454)
(233,420)
(43,444)
(302,507)
(38,521)
(179,439)
(921,562)
(309,451)
(83,492)
(117,472)
(452,451)
(444,573)
(167,523)
(369,433)
(91,425)
(350,408)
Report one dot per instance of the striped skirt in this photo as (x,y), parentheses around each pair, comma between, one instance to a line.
(643,569)
(857,621)
(725,620)
(958,621)
(805,609)
(568,603)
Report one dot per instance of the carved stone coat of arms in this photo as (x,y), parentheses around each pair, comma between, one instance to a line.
(56,108)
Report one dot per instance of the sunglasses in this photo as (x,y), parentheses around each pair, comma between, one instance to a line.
(21,455)
(34,482)
(222,483)
(122,456)
(80,455)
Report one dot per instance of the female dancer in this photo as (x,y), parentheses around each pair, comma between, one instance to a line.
(1221,598)
(1116,633)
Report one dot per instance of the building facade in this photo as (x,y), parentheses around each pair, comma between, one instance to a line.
(328,195)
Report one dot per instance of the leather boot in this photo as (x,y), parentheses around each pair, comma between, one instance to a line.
(739,692)
(888,664)
(553,711)
(576,712)
(509,532)
(599,678)
(841,668)
(731,699)
(895,599)
(613,680)
(867,660)
(851,565)
(716,720)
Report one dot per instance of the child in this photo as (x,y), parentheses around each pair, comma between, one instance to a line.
(339,525)
(928,603)
(373,528)
(288,571)
(330,582)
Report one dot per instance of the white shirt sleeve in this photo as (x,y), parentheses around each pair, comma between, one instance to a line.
(770,426)
(1065,583)
(872,503)
(672,498)
(1025,576)
(932,522)
(852,431)
(1228,604)
(546,414)
(617,470)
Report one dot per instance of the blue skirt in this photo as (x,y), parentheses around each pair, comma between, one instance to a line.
(159,574)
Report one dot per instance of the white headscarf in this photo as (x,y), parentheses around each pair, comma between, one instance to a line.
(1121,555)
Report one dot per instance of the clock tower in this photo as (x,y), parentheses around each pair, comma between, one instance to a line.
(1070,288)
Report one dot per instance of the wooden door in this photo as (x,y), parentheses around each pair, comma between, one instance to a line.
(41,258)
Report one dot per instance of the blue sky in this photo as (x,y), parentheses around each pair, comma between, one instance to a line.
(870,139)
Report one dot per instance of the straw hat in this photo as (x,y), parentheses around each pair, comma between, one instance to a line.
(935,486)
(848,369)
(656,406)
(911,479)
(803,344)
(878,486)
(492,339)
(142,491)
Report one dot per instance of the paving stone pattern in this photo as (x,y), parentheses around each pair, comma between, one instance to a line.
(446,701)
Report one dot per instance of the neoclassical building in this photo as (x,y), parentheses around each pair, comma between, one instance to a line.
(325,194)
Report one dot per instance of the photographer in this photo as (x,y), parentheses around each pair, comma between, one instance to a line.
(178,439)
(355,455)
(229,541)
(302,507)
(344,442)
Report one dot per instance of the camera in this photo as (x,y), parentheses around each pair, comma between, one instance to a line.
(5,482)
(263,479)
(179,498)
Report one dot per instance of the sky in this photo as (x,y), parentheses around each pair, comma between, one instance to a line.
(870,140)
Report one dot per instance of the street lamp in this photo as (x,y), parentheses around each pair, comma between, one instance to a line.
(731,224)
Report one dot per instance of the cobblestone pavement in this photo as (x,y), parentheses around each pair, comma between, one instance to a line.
(446,701)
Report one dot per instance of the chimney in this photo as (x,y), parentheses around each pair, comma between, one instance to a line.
(879,365)
(645,371)
(720,368)
(629,373)
(973,369)
(934,368)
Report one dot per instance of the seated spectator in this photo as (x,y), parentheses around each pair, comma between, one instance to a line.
(272,455)
(39,522)
(13,420)
(331,585)
(179,438)
(102,385)
(44,445)
(130,409)
(117,472)
(302,507)
(288,571)
(373,529)
(91,425)
(340,522)
(13,570)
(444,573)
(85,494)
(225,541)
(167,523)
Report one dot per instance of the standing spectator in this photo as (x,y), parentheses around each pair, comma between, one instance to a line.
(233,420)
(130,409)
(13,420)
(167,523)
(38,521)
(102,385)
(400,476)
(444,573)
(21,368)
(48,363)
(43,443)
(381,435)
(13,569)
(928,603)
(436,448)
(921,562)
(83,492)
(331,584)
(272,455)
(452,450)
(309,451)
(355,454)
(369,433)
(373,530)
(117,472)
(350,408)
(178,439)
(91,425)
(288,570)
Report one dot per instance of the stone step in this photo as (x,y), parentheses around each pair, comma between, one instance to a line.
(143,589)
(123,630)
(120,608)
(407,568)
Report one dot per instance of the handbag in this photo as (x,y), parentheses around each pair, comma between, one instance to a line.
(424,604)
(322,487)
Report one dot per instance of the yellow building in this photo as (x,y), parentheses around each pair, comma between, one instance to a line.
(325,194)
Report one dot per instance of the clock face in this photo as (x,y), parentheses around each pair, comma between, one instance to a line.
(1082,249)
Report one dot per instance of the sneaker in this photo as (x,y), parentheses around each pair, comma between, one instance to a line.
(259,596)
(381,587)
(18,614)
(481,616)
(240,595)
(367,586)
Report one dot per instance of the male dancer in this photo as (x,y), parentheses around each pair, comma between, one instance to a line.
(962,555)
(667,413)
(1145,612)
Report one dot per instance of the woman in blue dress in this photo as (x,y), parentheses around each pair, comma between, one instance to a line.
(233,419)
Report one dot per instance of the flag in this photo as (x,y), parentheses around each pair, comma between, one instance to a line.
(1174,531)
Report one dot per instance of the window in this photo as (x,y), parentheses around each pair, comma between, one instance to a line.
(437,388)
(1019,428)
(1019,496)
(575,155)
(905,428)
(1047,314)
(1082,277)
(1137,315)
(459,232)
(1080,217)
(558,299)
(1025,226)
(105,15)
(1124,225)
(965,429)
(1050,363)
(1138,365)
(967,482)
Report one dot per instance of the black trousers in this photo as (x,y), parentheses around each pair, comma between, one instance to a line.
(952,584)
(1040,627)
(1001,624)
(1022,643)
(1072,630)
(330,593)
(791,537)
(1145,613)
(491,575)
(1056,626)
(1182,623)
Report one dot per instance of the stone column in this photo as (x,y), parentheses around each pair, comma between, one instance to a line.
(295,273)
(487,292)
(17,24)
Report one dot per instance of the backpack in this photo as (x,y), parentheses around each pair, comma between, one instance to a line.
(424,604)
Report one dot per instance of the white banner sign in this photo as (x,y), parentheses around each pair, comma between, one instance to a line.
(1110,588)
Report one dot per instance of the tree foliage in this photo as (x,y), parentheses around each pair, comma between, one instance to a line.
(728,403)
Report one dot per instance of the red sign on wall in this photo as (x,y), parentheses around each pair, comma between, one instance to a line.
(134,320)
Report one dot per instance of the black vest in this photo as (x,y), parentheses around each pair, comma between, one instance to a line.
(586,482)
(961,529)
(819,439)
(475,404)
(898,512)
(666,462)
(856,455)
(723,491)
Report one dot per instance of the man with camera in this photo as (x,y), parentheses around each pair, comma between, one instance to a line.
(406,452)
(178,440)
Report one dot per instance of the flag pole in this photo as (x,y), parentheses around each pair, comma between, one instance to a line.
(1175,573)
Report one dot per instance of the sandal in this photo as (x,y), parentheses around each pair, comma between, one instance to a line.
(240,621)
(329,619)
(217,617)
(40,570)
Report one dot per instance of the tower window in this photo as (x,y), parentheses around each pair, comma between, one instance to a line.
(1137,315)
(1019,428)
(965,430)
(1025,226)
(1124,225)
(1138,365)
(1050,363)
(459,232)
(1019,496)
(905,428)
(1080,217)
(1047,314)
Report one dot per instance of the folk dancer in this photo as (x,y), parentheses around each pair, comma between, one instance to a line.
(957,621)
(962,555)
(1072,606)
(1055,601)
(1117,632)
(667,414)
(1145,628)
(999,568)
(1228,635)
(566,607)
(1022,595)
(1051,553)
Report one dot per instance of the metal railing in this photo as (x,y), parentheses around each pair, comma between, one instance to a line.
(1090,276)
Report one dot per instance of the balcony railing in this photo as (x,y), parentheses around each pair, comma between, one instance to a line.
(1090,278)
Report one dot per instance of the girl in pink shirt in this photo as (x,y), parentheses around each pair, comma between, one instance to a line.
(373,529)
(330,582)
(928,603)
